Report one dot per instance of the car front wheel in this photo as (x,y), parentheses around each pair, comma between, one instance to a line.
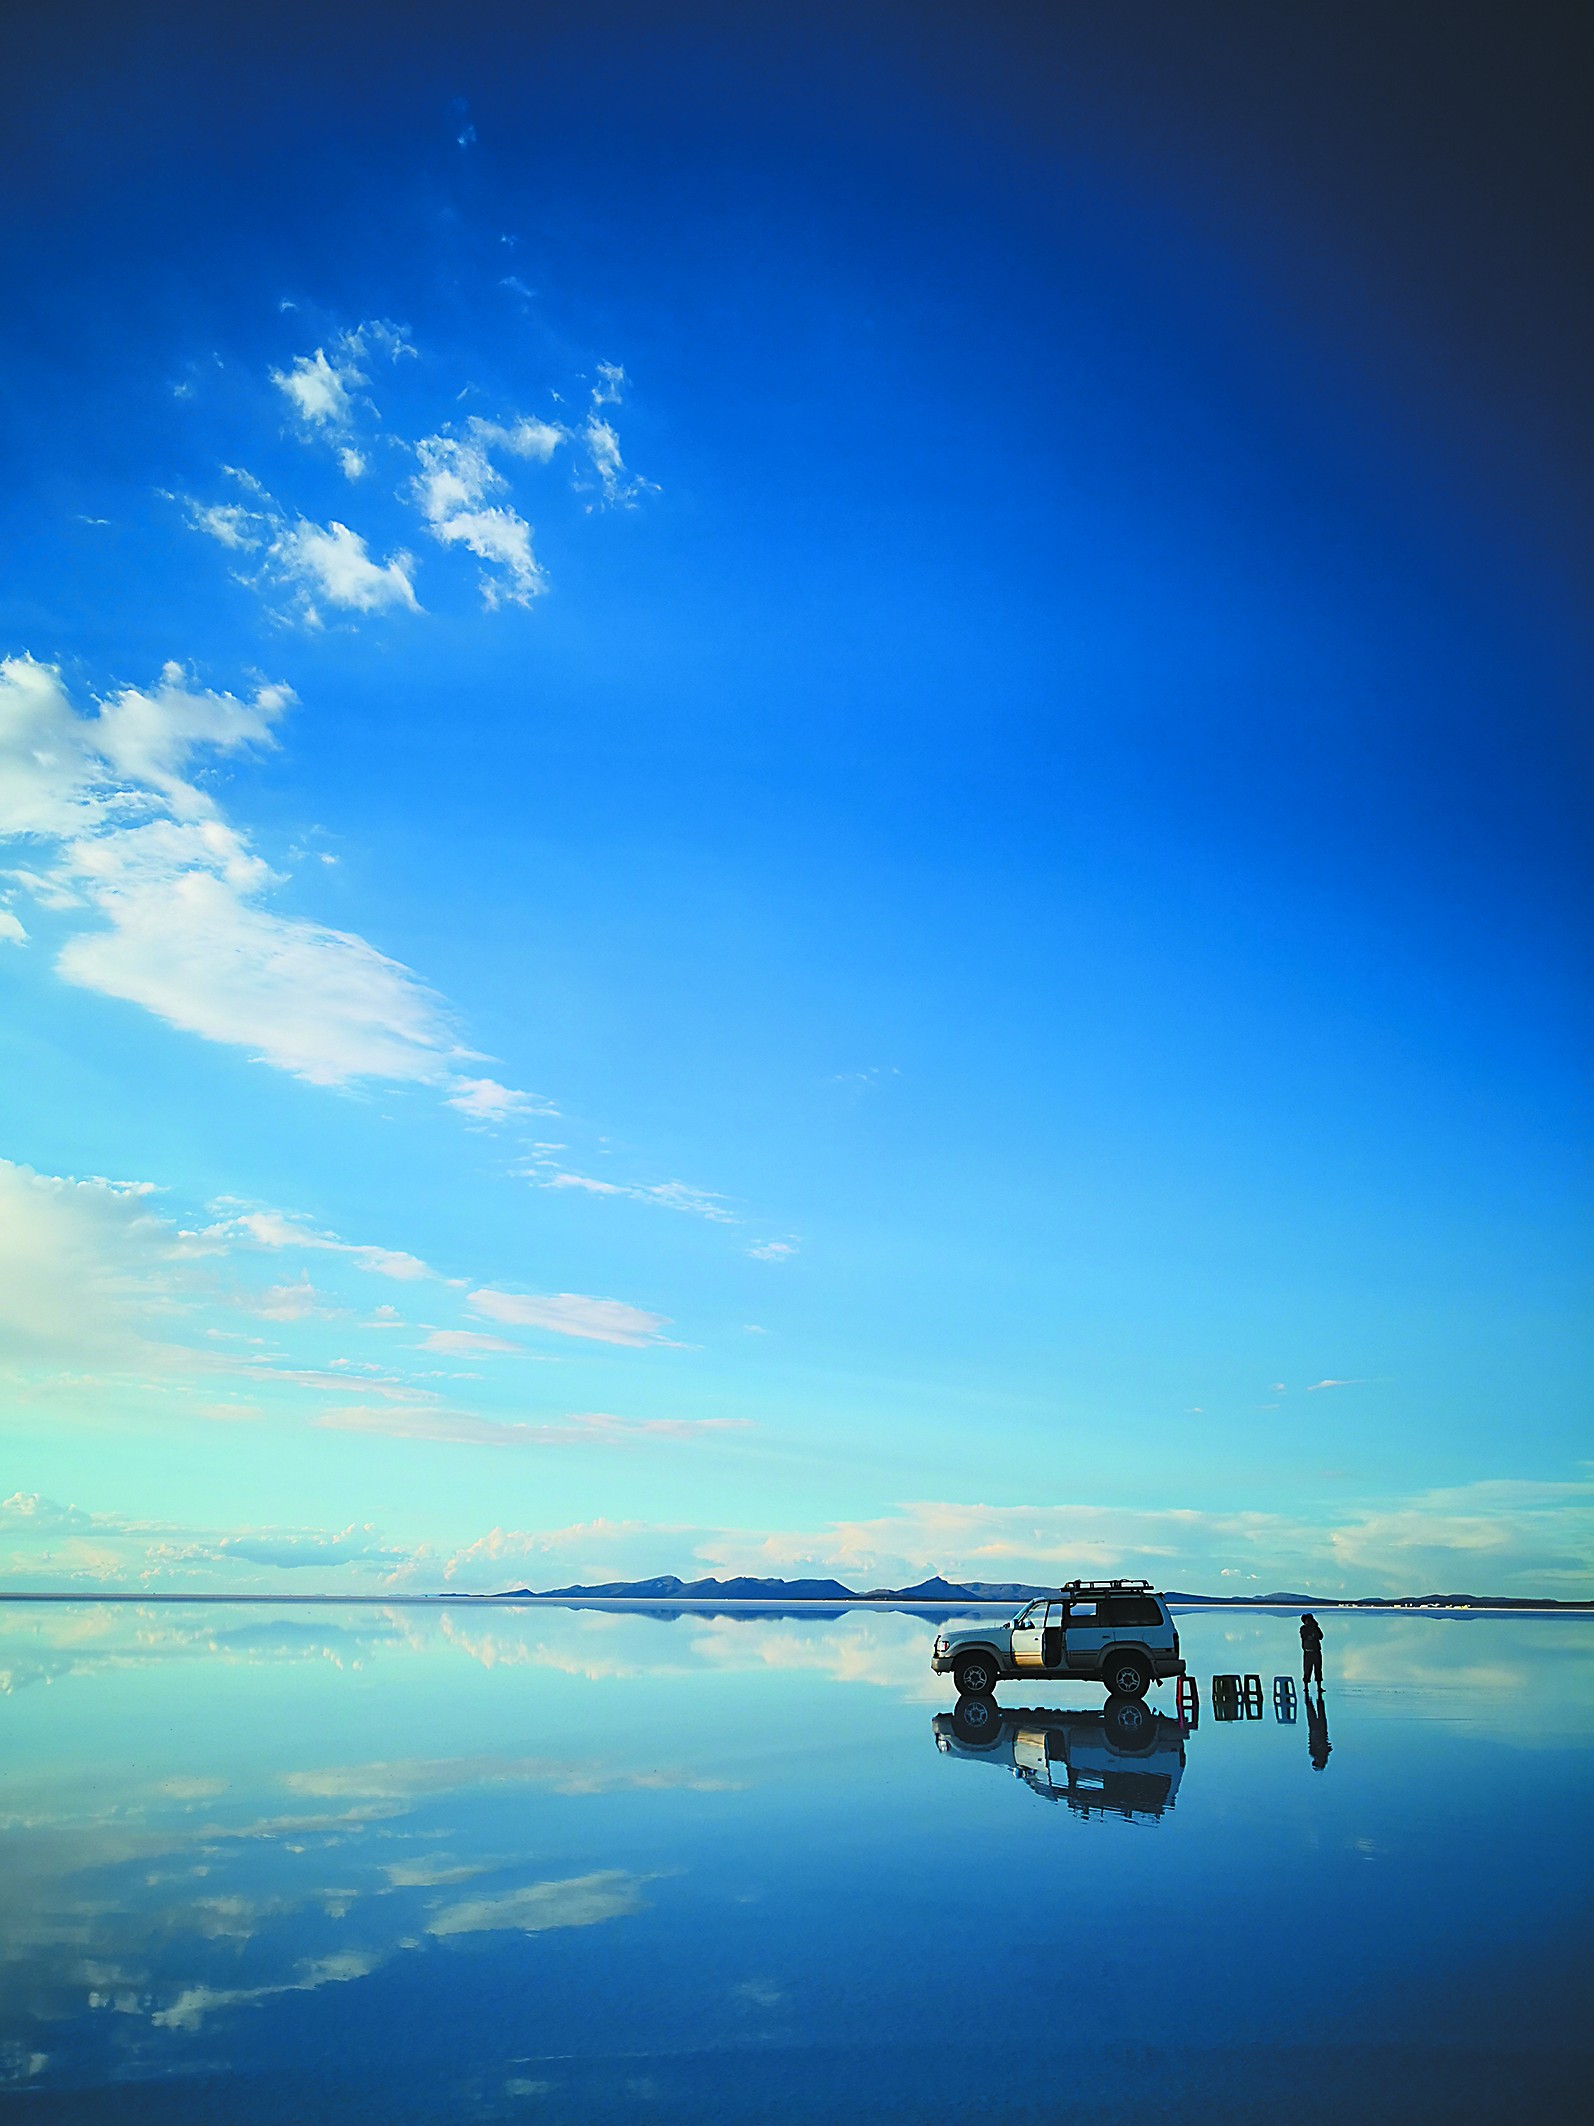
(1126,1675)
(975,1676)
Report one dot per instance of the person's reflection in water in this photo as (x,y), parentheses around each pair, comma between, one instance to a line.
(1317,1742)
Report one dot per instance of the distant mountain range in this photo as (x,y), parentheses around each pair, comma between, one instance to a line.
(938,1591)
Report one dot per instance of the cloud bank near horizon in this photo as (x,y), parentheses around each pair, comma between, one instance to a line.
(1486,1538)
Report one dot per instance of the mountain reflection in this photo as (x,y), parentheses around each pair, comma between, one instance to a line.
(1124,1761)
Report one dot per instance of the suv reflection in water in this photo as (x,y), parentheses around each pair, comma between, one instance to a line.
(1123,1761)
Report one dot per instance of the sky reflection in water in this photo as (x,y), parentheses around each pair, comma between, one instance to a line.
(553,1865)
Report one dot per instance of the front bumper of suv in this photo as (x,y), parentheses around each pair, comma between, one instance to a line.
(945,1658)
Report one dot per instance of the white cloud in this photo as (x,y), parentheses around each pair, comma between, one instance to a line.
(299,1301)
(417,1778)
(1497,1537)
(460,488)
(381,336)
(277,1229)
(28,1510)
(11,930)
(47,1544)
(189,2010)
(149,736)
(187,941)
(331,562)
(144,846)
(466,1343)
(484,1100)
(669,1195)
(538,1907)
(526,437)
(329,396)
(62,774)
(602,443)
(595,1428)
(1487,1538)
(1470,1538)
(451,490)
(84,1267)
(773,1250)
(603,448)
(294,1548)
(228,523)
(1313,1386)
(318,390)
(609,1321)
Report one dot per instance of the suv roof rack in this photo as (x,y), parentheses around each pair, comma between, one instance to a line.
(1106,1587)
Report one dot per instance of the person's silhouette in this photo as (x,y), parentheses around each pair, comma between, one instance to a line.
(1317,1742)
(1311,1650)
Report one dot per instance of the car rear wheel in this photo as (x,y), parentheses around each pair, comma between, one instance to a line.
(975,1676)
(1126,1675)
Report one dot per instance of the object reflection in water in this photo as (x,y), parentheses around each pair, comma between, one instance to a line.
(1126,1760)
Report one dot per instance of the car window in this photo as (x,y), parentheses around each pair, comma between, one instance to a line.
(1134,1610)
(1084,1613)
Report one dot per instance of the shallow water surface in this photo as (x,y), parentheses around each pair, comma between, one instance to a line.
(408,1864)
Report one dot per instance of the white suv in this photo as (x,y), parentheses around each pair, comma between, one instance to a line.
(1116,1632)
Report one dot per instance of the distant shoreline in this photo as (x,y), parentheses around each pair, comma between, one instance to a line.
(1184,1605)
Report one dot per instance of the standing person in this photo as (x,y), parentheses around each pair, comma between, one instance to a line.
(1311,1651)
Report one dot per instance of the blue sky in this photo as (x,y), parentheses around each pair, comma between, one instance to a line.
(792,793)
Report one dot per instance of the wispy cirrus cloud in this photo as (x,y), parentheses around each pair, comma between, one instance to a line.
(617,487)
(461,1428)
(543,1172)
(93,1276)
(610,1321)
(278,1229)
(487,1103)
(471,1343)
